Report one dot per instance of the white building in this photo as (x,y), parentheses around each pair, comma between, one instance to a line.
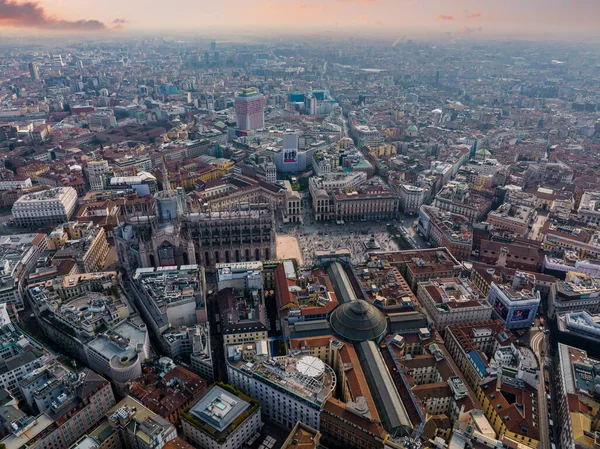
(589,208)
(18,256)
(270,173)
(144,183)
(15,183)
(218,409)
(19,356)
(49,207)
(411,199)
(96,171)
(119,352)
(289,389)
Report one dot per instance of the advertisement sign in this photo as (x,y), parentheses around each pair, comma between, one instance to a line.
(521,314)
(290,156)
(501,309)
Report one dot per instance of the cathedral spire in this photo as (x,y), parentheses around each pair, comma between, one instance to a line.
(166,185)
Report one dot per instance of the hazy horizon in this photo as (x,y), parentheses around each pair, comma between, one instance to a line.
(389,19)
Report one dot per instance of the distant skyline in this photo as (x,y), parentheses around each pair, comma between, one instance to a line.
(420,17)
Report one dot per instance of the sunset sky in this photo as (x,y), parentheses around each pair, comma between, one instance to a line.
(469,17)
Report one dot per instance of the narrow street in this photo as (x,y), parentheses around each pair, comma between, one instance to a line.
(538,344)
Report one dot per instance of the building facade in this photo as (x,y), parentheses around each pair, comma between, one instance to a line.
(49,207)
(516,304)
(250,109)
(411,199)
(452,301)
(447,230)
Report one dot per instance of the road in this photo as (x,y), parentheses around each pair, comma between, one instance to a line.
(534,234)
(538,344)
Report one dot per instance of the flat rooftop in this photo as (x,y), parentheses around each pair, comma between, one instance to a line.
(299,373)
(219,408)
(119,344)
(167,285)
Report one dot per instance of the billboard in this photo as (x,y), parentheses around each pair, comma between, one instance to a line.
(290,156)
(501,309)
(521,314)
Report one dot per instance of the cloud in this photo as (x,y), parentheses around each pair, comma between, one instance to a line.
(473,15)
(119,24)
(31,15)
(445,17)
(363,18)
(357,1)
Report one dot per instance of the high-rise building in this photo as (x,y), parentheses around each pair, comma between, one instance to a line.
(250,109)
(34,71)
(57,61)
(96,171)
(213,46)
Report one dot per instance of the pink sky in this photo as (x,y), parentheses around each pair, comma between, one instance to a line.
(493,17)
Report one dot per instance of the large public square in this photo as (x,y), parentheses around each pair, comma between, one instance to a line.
(301,240)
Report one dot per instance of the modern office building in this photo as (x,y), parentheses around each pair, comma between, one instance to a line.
(34,71)
(222,418)
(19,355)
(144,183)
(580,329)
(516,304)
(16,182)
(49,207)
(250,109)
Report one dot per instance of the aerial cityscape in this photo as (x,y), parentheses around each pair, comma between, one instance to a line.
(325,236)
